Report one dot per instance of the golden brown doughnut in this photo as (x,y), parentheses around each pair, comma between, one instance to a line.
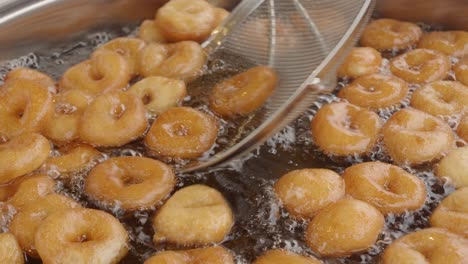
(452,213)
(420,66)
(73,158)
(113,119)
(414,137)
(360,61)
(28,189)
(29,74)
(305,192)
(344,129)
(10,251)
(462,129)
(194,215)
(209,255)
(343,228)
(451,43)
(279,256)
(375,91)
(133,182)
(129,48)
(387,187)
(81,236)
(243,93)
(431,245)
(182,132)
(150,32)
(461,70)
(388,34)
(220,15)
(455,167)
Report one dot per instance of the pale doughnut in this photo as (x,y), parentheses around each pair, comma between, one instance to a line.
(344,129)
(387,187)
(182,132)
(26,222)
(343,228)
(441,98)
(462,129)
(279,256)
(28,189)
(411,136)
(73,158)
(375,91)
(150,32)
(243,93)
(452,213)
(129,48)
(389,34)
(81,236)
(133,182)
(305,192)
(113,119)
(420,66)
(452,43)
(105,71)
(461,70)
(159,93)
(22,155)
(194,215)
(360,61)
(431,245)
(10,251)
(209,255)
(29,74)
(455,167)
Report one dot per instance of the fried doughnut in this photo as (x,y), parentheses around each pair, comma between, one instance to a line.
(451,43)
(22,155)
(113,119)
(420,66)
(360,61)
(220,15)
(279,256)
(389,34)
(24,106)
(344,129)
(10,251)
(452,213)
(183,60)
(181,20)
(182,132)
(159,93)
(343,228)
(461,70)
(105,71)
(129,48)
(73,158)
(387,187)
(305,192)
(194,215)
(411,136)
(441,98)
(150,32)
(62,125)
(375,91)
(431,245)
(133,182)
(81,236)
(455,167)
(26,222)
(29,74)
(209,255)
(28,189)
(462,129)
(243,93)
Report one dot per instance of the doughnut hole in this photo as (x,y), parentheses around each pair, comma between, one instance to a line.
(182,132)
(194,215)
(451,43)
(150,32)
(431,245)
(183,60)
(420,66)
(305,192)
(81,236)
(158,94)
(462,129)
(461,70)
(26,222)
(359,62)
(413,137)
(211,255)
(343,129)
(22,155)
(29,74)
(113,119)
(452,213)
(129,48)
(28,189)
(243,93)
(375,91)
(441,98)
(105,71)
(73,158)
(454,166)
(24,107)
(279,256)
(10,251)
(133,182)
(390,34)
(387,187)
(181,20)
(343,228)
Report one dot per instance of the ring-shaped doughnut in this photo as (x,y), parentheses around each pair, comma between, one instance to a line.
(461,70)
(462,129)
(28,189)
(10,251)
(389,34)
(73,158)
(452,213)
(360,61)
(451,43)
(150,32)
(279,256)
(29,74)
(209,255)
(455,167)
(129,48)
